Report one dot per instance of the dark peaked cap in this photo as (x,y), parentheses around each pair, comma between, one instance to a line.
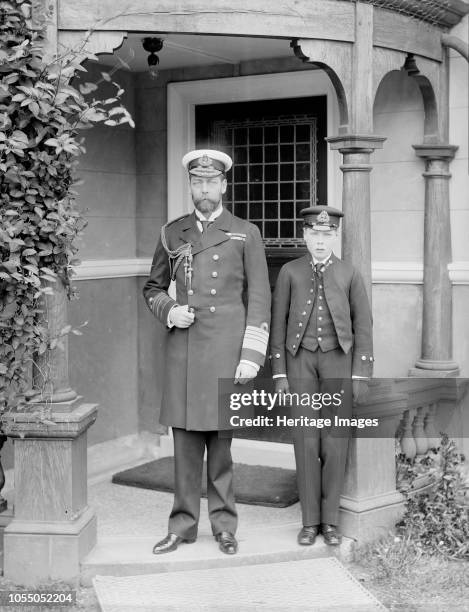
(321,217)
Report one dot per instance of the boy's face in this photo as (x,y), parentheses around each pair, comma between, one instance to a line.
(207,192)
(319,242)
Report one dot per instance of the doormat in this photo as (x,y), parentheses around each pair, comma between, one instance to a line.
(257,485)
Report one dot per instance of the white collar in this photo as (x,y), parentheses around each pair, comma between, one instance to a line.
(216,213)
(324,261)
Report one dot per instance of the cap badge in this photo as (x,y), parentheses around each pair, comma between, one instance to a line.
(323,217)
(205,161)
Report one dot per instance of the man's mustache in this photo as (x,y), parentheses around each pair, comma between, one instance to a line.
(200,200)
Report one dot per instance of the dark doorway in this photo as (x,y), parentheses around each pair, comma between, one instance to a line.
(279,157)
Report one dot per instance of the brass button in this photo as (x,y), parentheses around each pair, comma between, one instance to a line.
(304,312)
(213,291)
(319,338)
(214,274)
(190,292)
(311,290)
(319,318)
(300,324)
(277,356)
(216,257)
(320,297)
(308,302)
(319,328)
(212,308)
(293,345)
(363,358)
(297,335)
(320,307)
(320,286)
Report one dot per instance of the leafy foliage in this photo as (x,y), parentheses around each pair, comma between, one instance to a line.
(409,470)
(437,521)
(41,118)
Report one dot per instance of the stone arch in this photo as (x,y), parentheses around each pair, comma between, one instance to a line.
(397,195)
(335,58)
(431,122)
(387,62)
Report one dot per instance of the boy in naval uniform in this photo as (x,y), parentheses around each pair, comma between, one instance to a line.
(321,330)
(217,329)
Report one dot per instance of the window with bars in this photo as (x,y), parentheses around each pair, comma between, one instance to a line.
(279,157)
(274,173)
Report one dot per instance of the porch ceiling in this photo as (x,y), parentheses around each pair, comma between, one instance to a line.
(188,50)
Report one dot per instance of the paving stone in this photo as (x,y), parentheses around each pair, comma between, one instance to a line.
(321,585)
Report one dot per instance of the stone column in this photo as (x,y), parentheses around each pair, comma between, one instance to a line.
(436,358)
(50,371)
(370,502)
(356,168)
(53,527)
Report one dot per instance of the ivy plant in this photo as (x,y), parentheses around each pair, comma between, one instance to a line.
(43,112)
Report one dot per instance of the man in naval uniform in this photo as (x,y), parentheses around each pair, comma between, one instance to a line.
(217,329)
(321,330)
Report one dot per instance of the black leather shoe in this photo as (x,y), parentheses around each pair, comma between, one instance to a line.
(307,535)
(330,534)
(227,542)
(169,543)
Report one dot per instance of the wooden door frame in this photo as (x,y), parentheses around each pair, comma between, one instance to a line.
(183,98)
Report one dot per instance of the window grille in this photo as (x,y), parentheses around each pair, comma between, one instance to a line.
(274,173)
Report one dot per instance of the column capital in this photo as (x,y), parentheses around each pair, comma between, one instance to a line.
(356,143)
(436,151)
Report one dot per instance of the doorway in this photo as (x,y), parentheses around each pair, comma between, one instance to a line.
(279,157)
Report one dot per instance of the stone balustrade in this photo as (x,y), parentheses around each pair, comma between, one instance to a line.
(413,411)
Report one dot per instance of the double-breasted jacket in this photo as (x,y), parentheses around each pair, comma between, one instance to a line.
(228,290)
(346,297)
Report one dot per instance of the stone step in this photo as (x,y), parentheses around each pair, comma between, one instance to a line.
(132,555)
(316,585)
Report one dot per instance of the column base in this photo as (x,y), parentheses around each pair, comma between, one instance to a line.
(434,368)
(368,519)
(39,552)
(57,404)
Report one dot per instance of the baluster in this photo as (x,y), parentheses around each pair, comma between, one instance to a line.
(430,428)
(408,445)
(421,442)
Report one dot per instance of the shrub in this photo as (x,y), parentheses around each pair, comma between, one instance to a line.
(41,118)
(436,521)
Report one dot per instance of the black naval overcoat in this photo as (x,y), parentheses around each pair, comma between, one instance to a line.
(230,294)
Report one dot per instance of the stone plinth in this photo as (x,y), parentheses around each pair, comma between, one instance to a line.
(53,528)
(370,503)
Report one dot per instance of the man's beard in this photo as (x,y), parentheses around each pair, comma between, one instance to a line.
(206,205)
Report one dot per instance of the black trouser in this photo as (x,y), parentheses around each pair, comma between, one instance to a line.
(189,448)
(320,454)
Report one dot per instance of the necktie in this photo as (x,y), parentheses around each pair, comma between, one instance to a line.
(205,225)
(318,268)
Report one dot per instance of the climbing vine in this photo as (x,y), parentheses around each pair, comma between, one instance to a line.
(43,110)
